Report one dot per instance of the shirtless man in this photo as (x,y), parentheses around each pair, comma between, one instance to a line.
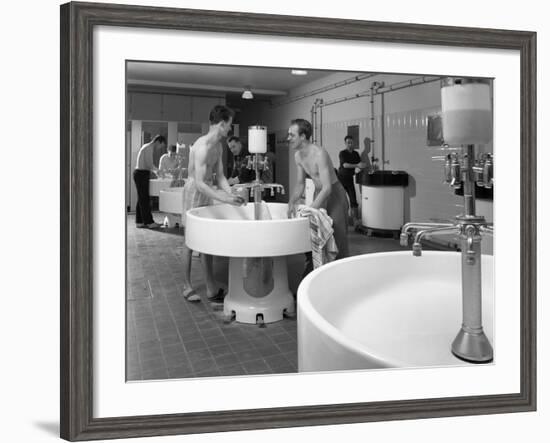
(142,174)
(314,161)
(205,160)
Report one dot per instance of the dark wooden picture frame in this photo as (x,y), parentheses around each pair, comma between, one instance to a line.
(77,23)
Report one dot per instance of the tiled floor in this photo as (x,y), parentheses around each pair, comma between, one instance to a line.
(168,337)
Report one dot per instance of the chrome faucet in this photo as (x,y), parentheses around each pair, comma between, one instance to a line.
(471,343)
(256,187)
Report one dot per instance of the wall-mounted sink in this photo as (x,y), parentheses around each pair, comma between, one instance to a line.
(385,310)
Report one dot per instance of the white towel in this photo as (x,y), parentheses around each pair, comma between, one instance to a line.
(323,245)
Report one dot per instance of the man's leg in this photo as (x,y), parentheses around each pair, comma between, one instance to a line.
(214,293)
(337,209)
(350,191)
(143,197)
(188,291)
(139,218)
(308,267)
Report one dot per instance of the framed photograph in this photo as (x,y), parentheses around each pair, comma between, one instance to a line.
(255,235)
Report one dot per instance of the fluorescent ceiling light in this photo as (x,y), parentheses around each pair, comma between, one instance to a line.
(298,72)
(247,93)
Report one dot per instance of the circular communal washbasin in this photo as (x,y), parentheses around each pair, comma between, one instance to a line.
(231,231)
(386,310)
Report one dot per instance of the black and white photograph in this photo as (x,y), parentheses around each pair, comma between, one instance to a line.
(288,220)
(273,221)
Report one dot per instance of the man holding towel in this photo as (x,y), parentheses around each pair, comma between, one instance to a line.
(314,161)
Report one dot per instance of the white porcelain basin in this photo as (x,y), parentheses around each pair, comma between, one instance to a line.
(170,200)
(385,310)
(158,184)
(232,231)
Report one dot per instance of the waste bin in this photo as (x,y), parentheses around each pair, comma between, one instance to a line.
(383,200)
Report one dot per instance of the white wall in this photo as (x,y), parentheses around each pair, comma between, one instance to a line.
(402,143)
(30,227)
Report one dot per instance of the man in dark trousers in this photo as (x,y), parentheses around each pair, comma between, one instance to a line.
(349,161)
(142,174)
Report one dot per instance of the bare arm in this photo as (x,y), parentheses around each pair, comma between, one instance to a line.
(149,157)
(298,189)
(325,179)
(348,165)
(201,169)
(221,178)
(162,166)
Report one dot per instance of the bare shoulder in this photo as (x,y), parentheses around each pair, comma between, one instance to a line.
(200,147)
(321,153)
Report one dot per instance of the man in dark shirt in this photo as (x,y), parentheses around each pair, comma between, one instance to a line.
(349,161)
(238,171)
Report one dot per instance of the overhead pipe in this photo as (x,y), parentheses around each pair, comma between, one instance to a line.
(339,84)
(390,88)
(375,89)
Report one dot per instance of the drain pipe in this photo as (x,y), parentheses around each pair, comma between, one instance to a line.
(313,118)
(320,122)
(374,87)
(372,158)
(382,131)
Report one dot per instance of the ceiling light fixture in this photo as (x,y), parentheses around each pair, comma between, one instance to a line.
(247,93)
(299,72)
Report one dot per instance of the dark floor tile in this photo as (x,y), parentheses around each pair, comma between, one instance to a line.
(199,354)
(148,344)
(261,342)
(216,341)
(212,372)
(269,350)
(292,357)
(182,371)
(133,374)
(276,361)
(281,337)
(284,369)
(287,346)
(248,355)
(232,370)
(256,366)
(220,350)
(235,340)
(132,360)
(175,360)
(194,345)
(150,365)
(165,320)
(242,346)
(206,364)
(226,360)
(156,374)
(150,353)
(212,333)
(168,341)
(168,332)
